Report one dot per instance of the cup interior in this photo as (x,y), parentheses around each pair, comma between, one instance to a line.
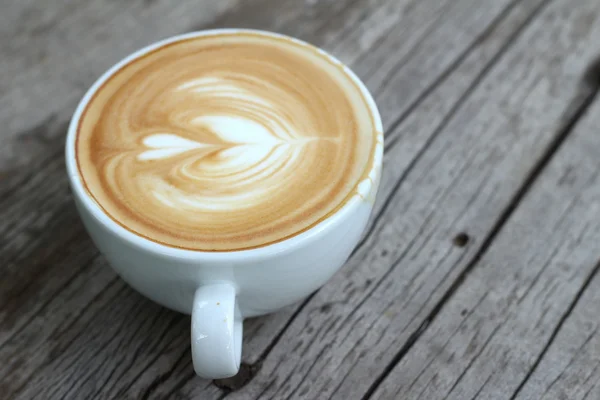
(89,204)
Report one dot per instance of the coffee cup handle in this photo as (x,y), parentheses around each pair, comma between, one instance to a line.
(216,331)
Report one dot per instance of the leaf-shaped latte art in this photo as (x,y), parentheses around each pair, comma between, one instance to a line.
(227,142)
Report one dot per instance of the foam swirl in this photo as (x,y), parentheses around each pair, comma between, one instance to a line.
(226,142)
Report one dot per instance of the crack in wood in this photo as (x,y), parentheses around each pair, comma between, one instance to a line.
(123,391)
(571,361)
(465,316)
(54,354)
(319,31)
(587,393)
(489,378)
(39,130)
(557,328)
(84,266)
(163,377)
(48,130)
(310,368)
(591,80)
(472,361)
(451,68)
(49,133)
(588,90)
(452,112)
(174,320)
(399,65)
(78,383)
(537,277)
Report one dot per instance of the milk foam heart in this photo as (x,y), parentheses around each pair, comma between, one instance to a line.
(227,142)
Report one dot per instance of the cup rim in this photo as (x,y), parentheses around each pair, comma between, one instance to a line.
(85,199)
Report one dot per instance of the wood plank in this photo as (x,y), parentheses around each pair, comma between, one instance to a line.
(39,311)
(475,57)
(36,205)
(52,201)
(570,368)
(45,305)
(54,284)
(535,288)
(460,36)
(42,88)
(51,51)
(466,180)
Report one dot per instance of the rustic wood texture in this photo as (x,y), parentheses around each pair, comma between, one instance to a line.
(491,339)
(476,279)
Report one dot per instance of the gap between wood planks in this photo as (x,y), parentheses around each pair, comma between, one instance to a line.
(557,328)
(443,76)
(250,370)
(580,108)
(592,81)
(40,132)
(588,91)
(478,79)
(234,384)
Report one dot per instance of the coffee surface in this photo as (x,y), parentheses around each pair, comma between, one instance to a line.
(226,141)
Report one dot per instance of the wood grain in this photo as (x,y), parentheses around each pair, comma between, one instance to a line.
(473,66)
(476,96)
(53,50)
(466,180)
(530,303)
(569,368)
(53,286)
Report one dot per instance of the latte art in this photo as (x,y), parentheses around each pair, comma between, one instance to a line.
(227,142)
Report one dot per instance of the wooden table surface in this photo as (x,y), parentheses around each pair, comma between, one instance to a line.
(476,279)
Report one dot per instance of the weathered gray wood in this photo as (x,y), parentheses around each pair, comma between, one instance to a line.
(458,149)
(52,203)
(490,335)
(472,67)
(480,53)
(53,283)
(51,51)
(569,369)
(466,180)
(38,315)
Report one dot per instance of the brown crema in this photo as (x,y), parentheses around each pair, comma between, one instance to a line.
(226,141)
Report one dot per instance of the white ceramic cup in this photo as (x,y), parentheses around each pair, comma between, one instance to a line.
(220,289)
